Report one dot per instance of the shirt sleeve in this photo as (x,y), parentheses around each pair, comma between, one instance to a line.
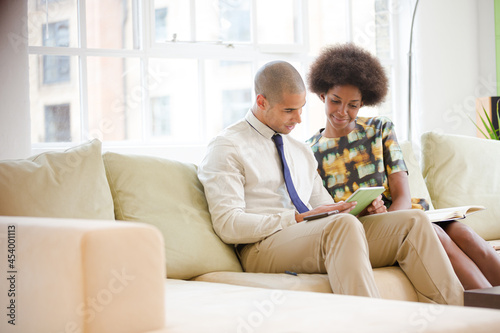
(393,156)
(320,195)
(222,174)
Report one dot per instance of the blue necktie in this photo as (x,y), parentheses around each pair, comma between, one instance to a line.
(278,141)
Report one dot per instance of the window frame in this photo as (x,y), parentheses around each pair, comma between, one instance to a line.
(255,53)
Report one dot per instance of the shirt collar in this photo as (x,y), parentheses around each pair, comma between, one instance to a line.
(261,128)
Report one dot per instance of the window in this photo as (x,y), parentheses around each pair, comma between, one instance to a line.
(161,32)
(57,123)
(234,20)
(235,105)
(177,71)
(56,69)
(160,107)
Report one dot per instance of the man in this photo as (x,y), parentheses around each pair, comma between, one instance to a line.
(259,202)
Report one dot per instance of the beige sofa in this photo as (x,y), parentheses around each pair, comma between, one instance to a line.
(77,270)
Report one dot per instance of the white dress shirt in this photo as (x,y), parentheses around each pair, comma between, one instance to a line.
(244,183)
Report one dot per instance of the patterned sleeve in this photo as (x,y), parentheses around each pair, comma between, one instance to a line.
(312,142)
(393,156)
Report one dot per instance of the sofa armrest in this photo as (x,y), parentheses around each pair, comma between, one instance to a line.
(81,275)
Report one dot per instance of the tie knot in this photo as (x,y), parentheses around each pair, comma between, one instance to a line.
(278,140)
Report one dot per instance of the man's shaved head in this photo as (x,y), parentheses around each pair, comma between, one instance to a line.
(276,78)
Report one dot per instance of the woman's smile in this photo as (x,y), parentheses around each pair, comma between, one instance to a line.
(340,118)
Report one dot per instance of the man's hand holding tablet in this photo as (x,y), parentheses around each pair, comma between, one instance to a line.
(361,199)
(326,210)
(321,215)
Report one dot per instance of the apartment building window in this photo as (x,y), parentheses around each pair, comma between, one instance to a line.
(160,107)
(161,24)
(235,20)
(57,123)
(56,69)
(120,59)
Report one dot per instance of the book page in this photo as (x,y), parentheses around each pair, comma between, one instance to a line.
(452,213)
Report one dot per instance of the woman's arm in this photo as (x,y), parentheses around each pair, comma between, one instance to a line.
(400,191)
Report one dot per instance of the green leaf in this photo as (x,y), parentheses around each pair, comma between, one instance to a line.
(497,131)
(491,132)
(478,128)
(490,128)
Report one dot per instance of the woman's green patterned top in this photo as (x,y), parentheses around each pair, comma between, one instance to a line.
(365,157)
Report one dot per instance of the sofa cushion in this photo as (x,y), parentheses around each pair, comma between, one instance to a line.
(168,194)
(69,184)
(391,282)
(460,171)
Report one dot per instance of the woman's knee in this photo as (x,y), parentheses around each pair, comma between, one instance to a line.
(464,236)
(460,231)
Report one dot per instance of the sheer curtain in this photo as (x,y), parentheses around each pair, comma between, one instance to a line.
(15,139)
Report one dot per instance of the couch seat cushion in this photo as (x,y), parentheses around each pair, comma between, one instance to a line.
(69,184)
(304,282)
(168,195)
(391,281)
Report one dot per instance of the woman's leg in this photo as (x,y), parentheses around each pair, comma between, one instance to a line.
(467,272)
(476,248)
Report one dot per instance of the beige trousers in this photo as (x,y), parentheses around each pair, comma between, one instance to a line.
(347,248)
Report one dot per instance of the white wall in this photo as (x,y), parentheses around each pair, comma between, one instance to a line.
(454,62)
(15,140)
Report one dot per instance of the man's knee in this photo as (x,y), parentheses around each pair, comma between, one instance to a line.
(416,217)
(343,223)
(419,215)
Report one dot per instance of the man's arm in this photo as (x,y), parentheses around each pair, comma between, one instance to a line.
(222,174)
(321,201)
(320,195)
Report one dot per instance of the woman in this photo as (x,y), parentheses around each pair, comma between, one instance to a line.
(355,152)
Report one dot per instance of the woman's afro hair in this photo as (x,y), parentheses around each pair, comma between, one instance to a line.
(348,64)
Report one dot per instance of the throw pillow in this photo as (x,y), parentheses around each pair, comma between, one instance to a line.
(460,171)
(69,184)
(168,195)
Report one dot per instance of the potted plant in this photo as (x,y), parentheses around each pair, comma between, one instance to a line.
(490,131)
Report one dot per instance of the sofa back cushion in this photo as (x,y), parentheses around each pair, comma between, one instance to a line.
(168,195)
(69,184)
(461,171)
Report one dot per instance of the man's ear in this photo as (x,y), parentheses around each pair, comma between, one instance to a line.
(261,102)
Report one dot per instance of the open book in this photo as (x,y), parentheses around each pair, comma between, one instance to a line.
(453,213)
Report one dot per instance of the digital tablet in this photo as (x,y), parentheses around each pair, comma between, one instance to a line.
(364,196)
(320,215)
